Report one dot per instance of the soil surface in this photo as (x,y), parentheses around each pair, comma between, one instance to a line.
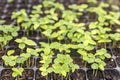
(110,63)
(112,75)
(6,74)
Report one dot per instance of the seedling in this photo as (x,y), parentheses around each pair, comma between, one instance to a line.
(63,64)
(115,37)
(7,33)
(28,57)
(33,22)
(25,41)
(53,4)
(21,16)
(26,54)
(60,63)
(37,10)
(2,21)
(96,60)
(92,1)
(10,1)
(9,59)
(17,72)
(46,60)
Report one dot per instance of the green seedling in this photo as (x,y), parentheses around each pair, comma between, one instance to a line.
(9,59)
(33,22)
(7,33)
(27,57)
(37,9)
(28,53)
(2,21)
(53,4)
(10,1)
(21,16)
(69,15)
(47,55)
(25,41)
(115,37)
(92,1)
(17,72)
(96,60)
(63,64)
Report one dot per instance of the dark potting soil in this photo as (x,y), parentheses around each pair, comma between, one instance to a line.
(78,61)
(118,43)
(116,52)
(21,33)
(112,75)
(8,20)
(6,74)
(23,6)
(1,8)
(12,43)
(110,63)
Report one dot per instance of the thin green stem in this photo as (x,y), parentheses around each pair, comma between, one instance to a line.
(96,72)
(32,61)
(29,62)
(85,64)
(93,71)
(62,77)
(2,46)
(48,41)
(105,45)
(113,45)
(18,77)
(46,77)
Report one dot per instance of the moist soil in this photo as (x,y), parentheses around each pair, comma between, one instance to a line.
(6,74)
(110,63)
(116,52)
(112,75)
